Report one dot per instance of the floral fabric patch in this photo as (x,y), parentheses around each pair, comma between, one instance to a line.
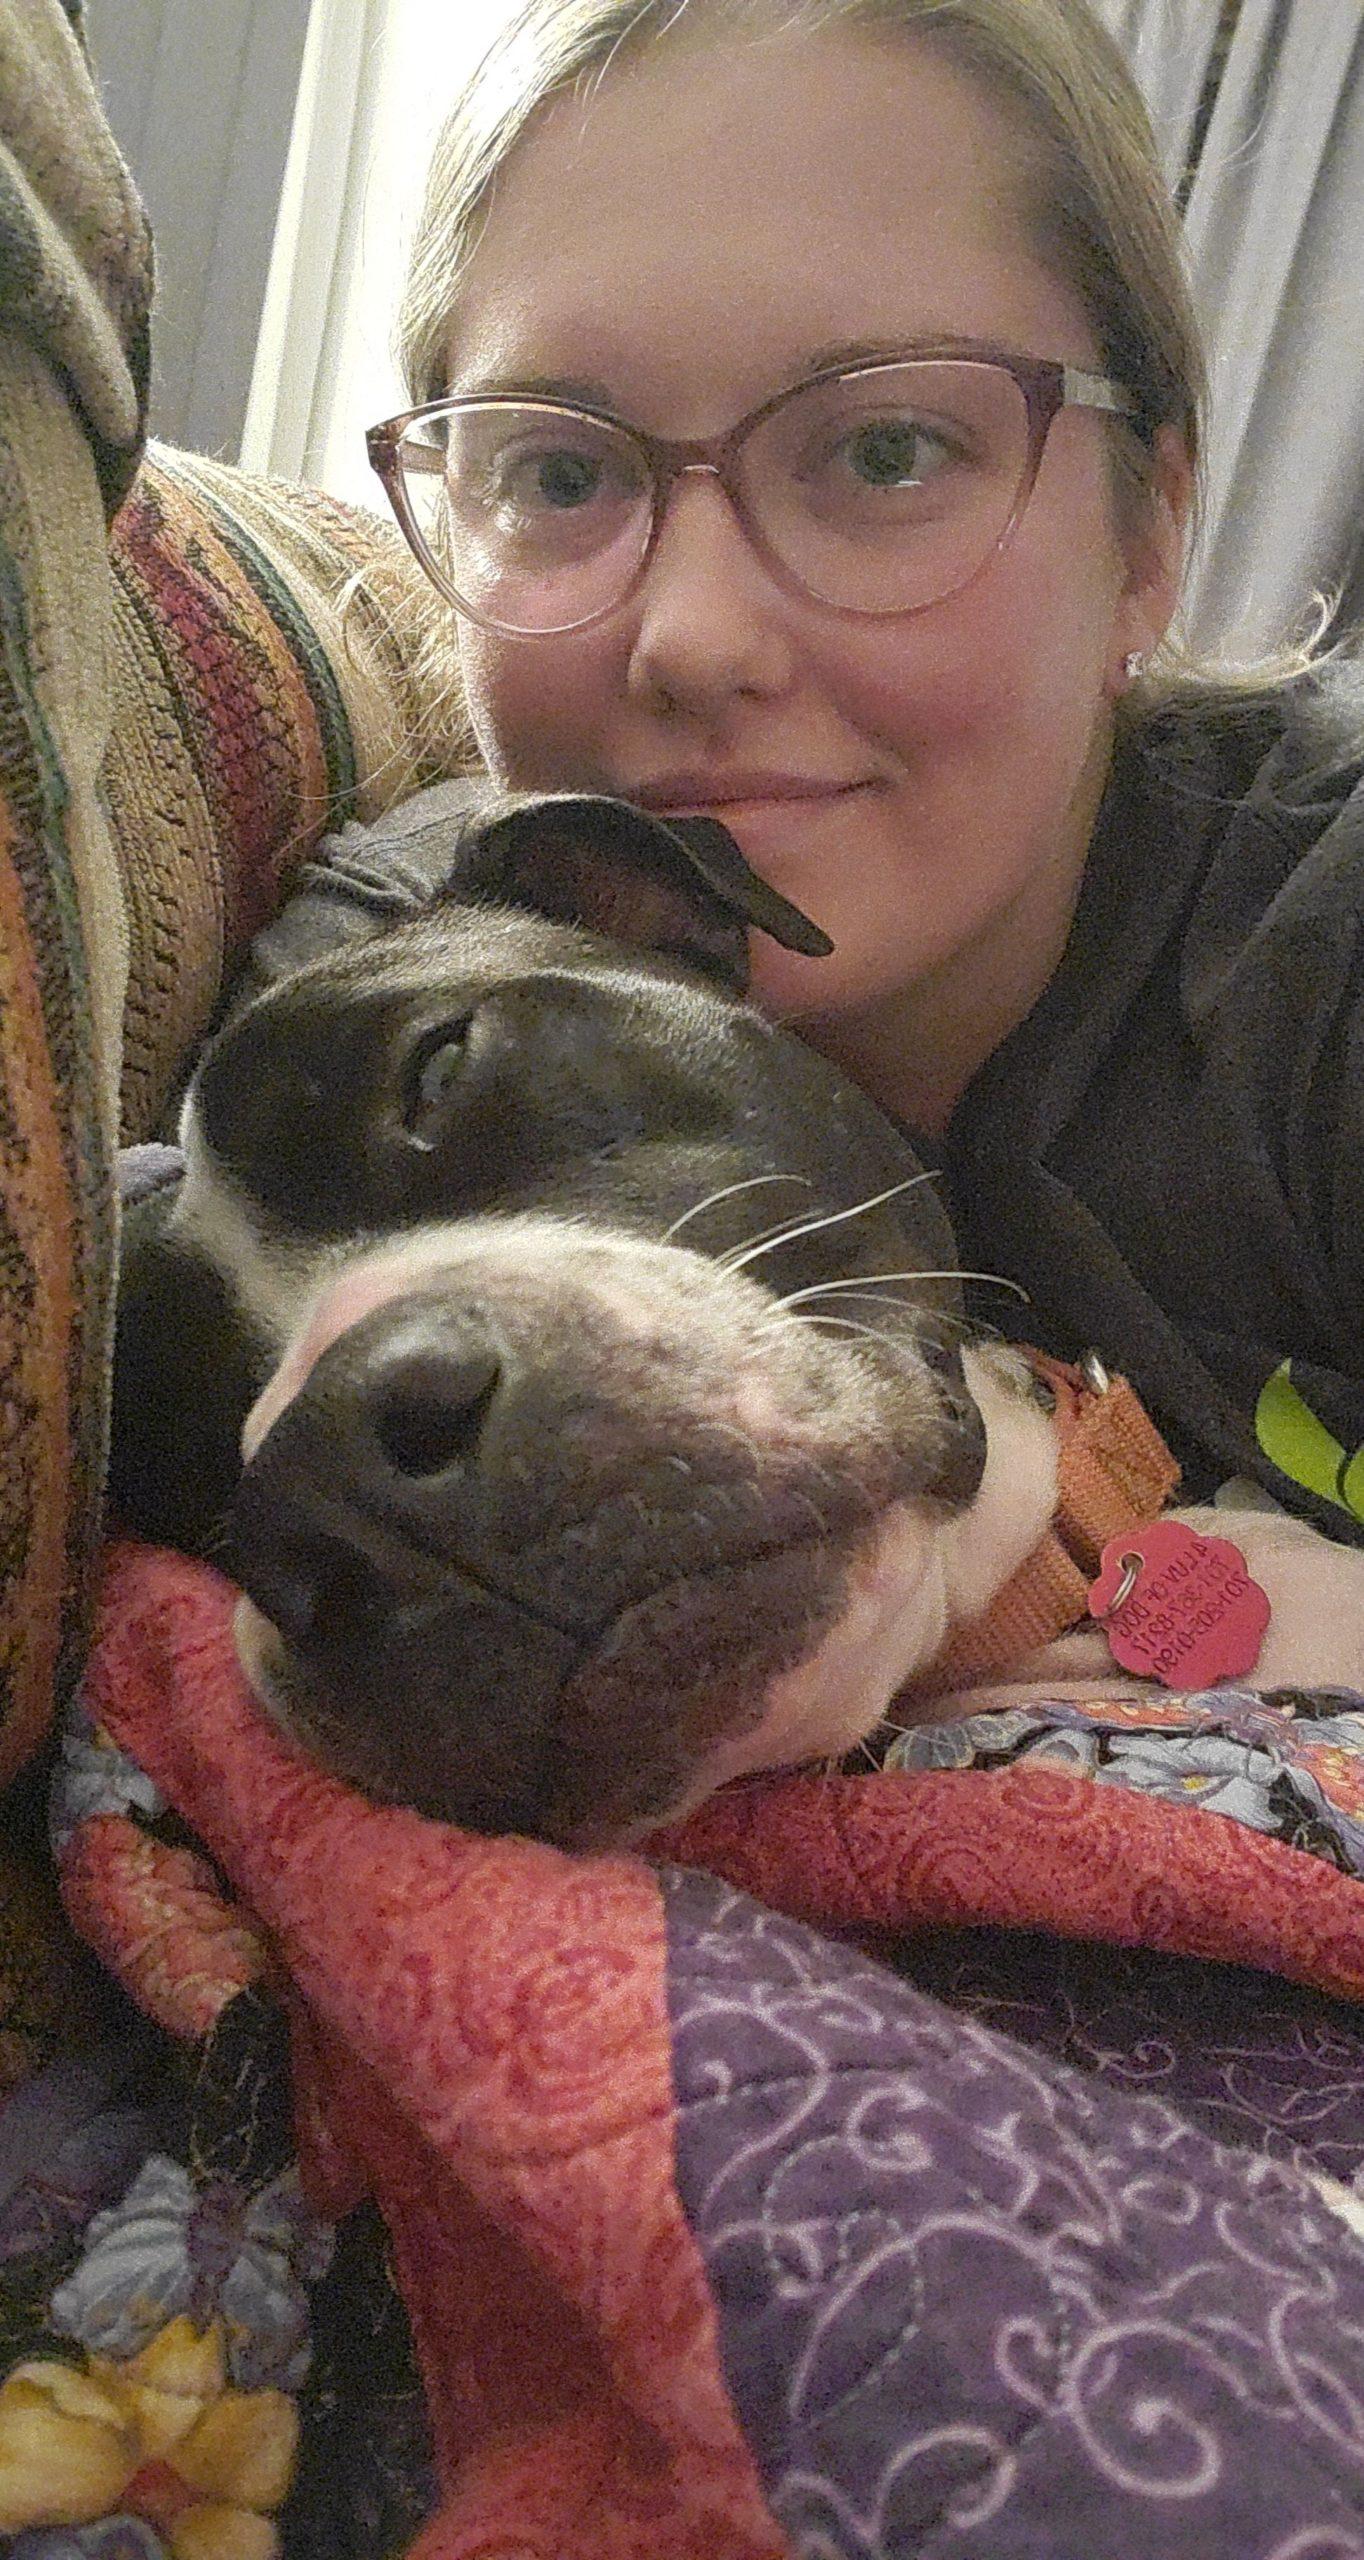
(193,2364)
(1287,1762)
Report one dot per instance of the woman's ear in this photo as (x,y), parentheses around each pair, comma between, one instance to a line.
(1155,547)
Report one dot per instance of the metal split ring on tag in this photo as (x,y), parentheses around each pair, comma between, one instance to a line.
(1131,1564)
(1178,1607)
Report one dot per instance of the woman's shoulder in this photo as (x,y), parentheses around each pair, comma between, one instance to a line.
(1282,749)
(1253,803)
(1228,862)
(1323,715)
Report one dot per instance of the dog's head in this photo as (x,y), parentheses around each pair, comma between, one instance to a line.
(604,1424)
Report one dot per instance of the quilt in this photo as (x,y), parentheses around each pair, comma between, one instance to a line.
(916,2163)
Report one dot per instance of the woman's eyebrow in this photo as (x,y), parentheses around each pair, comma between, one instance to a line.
(877,350)
(533,386)
(591,393)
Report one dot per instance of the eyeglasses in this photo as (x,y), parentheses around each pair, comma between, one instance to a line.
(879,488)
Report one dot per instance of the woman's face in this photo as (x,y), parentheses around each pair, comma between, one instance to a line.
(707,228)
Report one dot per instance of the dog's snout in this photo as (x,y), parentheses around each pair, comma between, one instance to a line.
(339,1514)
(427,1396)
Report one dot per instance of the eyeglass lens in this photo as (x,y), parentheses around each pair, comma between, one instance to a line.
(880,491)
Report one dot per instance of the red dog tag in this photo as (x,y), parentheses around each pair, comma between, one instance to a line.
(1179,1607)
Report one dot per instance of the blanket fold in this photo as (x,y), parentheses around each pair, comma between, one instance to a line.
(484,2033)
(713,2235)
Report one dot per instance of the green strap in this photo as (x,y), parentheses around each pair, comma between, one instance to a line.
(1299,1444)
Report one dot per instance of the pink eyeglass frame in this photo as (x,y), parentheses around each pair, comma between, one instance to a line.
(1047,385)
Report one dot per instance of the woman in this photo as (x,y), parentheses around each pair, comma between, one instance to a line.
(903,279)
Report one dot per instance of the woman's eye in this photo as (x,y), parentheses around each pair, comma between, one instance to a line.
(564,479)
(889,453)
(433,1074)
(548,480)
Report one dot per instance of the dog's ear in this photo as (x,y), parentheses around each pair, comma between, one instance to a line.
(678,886)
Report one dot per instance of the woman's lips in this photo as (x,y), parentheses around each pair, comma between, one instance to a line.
(686,797)
(775,812)
(754,818)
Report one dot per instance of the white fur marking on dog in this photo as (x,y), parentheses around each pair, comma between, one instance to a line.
(921,1577)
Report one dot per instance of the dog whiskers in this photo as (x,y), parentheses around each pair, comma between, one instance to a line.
(863,1751)
(970,1328)
(891,1724)
(840,1324)
(872,1279)
(727,1191)
(846,1324)
(732,1431)
(788,1233)
(864,1297)
(767,1238)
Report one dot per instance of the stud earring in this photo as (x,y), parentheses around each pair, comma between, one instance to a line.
(1134,665)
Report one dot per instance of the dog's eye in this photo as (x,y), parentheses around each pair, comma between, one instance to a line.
(433,1071)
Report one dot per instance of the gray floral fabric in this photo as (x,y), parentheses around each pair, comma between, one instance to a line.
(1287,1762)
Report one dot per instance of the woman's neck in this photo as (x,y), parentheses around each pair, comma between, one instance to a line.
(915,1054)
(915,1050)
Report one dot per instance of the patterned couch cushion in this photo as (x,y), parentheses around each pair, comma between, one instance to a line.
(173,740)
(263,691)
(75,280)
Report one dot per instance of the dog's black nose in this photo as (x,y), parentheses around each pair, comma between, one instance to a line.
(345,1512)
(366,1528)
(426,1395)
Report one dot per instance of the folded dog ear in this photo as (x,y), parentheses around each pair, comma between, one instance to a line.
(674,885)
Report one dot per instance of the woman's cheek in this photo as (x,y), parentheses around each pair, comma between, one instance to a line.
(533,705)
(495,683)
(934,681)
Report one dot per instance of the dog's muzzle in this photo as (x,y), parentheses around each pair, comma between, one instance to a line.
(526,1561)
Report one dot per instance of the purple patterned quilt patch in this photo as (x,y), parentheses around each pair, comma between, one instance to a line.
(977,2305)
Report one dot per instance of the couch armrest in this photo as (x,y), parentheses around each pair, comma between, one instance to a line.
(173,741)
(75,282)
(268,683)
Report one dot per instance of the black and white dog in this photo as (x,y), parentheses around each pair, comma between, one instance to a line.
(565,1361)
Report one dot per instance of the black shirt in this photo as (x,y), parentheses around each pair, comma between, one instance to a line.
(1168,1153)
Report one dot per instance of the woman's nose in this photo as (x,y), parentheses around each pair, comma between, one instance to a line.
(710,621)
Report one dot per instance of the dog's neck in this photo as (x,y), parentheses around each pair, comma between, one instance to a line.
(917,1580)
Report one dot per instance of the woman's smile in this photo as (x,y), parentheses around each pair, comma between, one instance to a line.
(765,813)
(747,790)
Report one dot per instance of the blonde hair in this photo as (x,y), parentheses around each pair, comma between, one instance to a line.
(1101,214)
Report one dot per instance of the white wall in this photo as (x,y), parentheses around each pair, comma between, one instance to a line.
(378,79)
(200,95)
